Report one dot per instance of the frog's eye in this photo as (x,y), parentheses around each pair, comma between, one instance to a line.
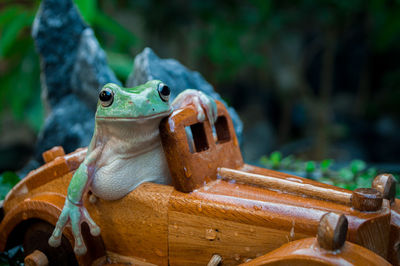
(106,97)
(164,92)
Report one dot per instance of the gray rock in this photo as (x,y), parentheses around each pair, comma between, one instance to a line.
(90,72)
(149,66)
(57,31)
(70,124)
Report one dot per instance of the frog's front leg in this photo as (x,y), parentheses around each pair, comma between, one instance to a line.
(203,104)
(74,211)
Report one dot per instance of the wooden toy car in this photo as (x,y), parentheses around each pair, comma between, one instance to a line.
(217,210)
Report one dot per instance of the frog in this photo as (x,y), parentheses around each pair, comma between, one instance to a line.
(125,150)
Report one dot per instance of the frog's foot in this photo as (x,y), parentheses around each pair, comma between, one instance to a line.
(76,214)
(76,220)
(203,104)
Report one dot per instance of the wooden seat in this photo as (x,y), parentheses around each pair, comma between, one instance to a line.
(194,152)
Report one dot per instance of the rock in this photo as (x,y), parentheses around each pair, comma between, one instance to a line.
(57,30)
(148,66)
(70,125)
(90,72)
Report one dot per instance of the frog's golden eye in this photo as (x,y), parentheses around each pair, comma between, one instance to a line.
(164,92)
(106,97)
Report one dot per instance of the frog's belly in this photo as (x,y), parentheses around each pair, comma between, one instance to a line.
(119,177)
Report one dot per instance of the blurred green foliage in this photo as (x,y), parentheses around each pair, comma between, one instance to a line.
(7,181)
(354,175)
(230,36)
(19,65)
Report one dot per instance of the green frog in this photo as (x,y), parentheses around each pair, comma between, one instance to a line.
(125,149)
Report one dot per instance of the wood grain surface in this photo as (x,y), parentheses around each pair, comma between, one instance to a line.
(306,252)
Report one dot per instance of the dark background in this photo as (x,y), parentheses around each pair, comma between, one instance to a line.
(315,79)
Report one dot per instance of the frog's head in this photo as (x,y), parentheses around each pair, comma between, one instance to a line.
(149,100)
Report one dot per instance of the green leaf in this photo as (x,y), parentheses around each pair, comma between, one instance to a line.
(23,90)
(325,164)
(11,32)
(346,174)
(121,64)
(35,113)
(121,33)
(350,186)
(9,178)
(88,9)
(310,167)
(7,181)
(340,184)
(357,166)
(7,14)
(275,159)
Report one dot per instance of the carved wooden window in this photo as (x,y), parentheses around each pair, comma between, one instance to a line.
(196,137)
(222,130)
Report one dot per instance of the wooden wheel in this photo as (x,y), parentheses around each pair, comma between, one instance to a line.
(36,237)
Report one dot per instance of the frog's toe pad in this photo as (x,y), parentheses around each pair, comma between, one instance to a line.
(54,242)
(80,250)
(201,116)
(95,231)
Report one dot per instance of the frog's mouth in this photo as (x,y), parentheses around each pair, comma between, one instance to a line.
(138,118)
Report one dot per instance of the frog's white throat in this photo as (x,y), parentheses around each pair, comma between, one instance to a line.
(129,135)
